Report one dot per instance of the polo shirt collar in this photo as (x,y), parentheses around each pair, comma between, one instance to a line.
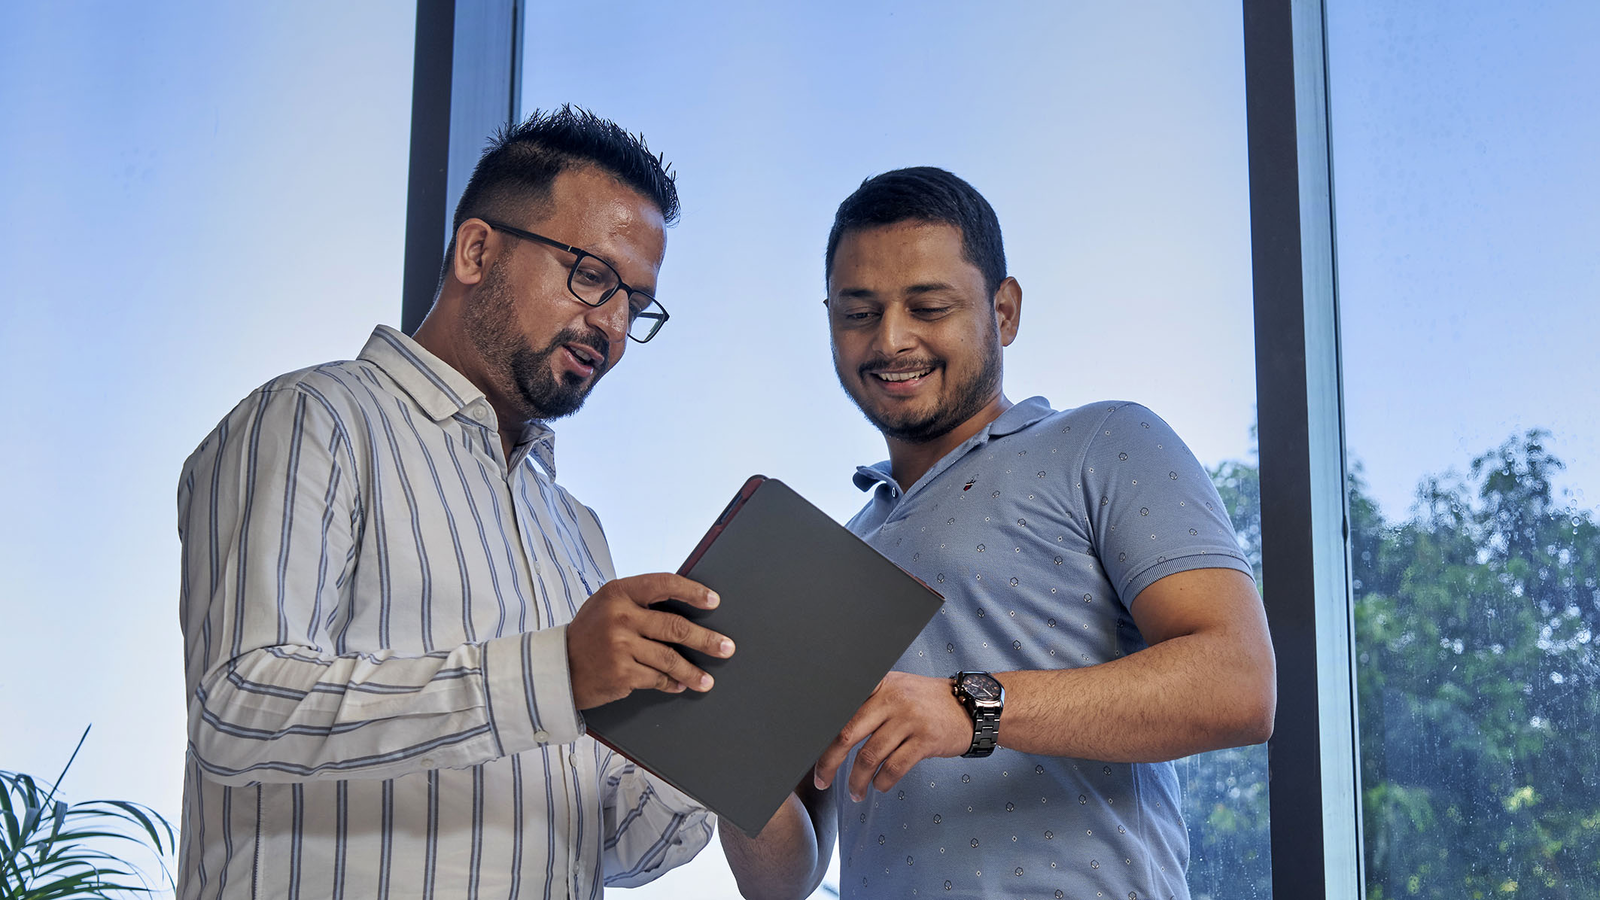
(443,393)
(1013,420)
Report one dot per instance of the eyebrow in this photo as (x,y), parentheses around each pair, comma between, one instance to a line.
(915,290)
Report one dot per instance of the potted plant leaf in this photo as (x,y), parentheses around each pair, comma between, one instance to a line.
(54,850)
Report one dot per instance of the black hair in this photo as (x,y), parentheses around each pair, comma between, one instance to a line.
(925,194)
(515,174)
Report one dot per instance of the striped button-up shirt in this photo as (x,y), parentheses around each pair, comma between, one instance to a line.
(374,609)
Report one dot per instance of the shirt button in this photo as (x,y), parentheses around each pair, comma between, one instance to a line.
(427,762)
(572,758)
(541,736)
(477,412)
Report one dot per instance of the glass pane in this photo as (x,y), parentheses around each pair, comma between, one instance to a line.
(196,198)
(1109,137)
(1464,142)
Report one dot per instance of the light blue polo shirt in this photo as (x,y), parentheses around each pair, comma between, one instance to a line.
(1039,531)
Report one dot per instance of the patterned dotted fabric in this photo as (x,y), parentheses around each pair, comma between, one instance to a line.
(1039,531)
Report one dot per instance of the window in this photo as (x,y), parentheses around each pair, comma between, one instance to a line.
(1111,141)
(1468,212)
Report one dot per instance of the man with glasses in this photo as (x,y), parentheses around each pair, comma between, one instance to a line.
(393,616)
(1100,619)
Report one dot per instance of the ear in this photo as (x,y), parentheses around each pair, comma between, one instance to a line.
(473,254)
(1008,310)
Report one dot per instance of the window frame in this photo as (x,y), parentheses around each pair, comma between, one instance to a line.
(466,85)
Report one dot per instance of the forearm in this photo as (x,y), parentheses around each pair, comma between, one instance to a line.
(285,713)
(1186,695)
(791,854)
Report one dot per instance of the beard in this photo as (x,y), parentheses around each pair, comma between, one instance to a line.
(959,402)
(490,324)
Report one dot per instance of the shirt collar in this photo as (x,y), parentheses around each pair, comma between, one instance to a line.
(443,393)
(1013,420)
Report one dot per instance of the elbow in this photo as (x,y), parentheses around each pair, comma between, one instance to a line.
(1258,710)
(1256,727)
(751,889)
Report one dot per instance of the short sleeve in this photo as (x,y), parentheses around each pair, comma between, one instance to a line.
(1151,506)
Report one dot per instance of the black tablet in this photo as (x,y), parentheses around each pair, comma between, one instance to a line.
(818,618)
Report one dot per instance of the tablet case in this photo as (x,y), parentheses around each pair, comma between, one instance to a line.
(818,618)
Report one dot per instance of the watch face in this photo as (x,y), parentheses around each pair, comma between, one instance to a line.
(981,687)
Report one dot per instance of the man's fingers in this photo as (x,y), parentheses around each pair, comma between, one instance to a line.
(882,748)
(861,725)
(672,666)
(674,629)
(657,586)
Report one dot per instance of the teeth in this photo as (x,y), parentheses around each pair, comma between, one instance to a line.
(902,376)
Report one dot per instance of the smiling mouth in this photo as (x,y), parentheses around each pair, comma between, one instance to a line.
(896,377)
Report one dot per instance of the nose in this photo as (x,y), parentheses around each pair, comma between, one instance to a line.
(896,332)
(611,317)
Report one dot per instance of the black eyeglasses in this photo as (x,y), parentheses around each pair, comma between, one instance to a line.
(593,281)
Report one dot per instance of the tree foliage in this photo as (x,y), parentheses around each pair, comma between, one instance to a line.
(1477,685)
(1478,693)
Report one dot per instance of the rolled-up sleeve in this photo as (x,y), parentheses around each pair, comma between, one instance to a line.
(650,826)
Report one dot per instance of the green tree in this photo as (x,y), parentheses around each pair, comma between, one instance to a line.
(1477,685)
(1478,692)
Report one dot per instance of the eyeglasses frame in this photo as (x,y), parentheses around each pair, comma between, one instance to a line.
(660,313)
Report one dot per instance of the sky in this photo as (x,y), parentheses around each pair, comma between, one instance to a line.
(195,197)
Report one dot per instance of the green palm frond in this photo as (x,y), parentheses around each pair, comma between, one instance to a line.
(53,850)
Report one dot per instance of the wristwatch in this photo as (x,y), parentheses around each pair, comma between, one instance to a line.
(983,697)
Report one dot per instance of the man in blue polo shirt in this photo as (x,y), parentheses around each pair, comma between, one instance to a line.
(1101,620)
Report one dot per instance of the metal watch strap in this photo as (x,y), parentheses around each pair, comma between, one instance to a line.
(985,732)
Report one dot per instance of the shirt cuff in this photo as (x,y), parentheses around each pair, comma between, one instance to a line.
(528,686)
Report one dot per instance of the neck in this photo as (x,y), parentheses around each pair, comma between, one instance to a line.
(909,461)
(441,343)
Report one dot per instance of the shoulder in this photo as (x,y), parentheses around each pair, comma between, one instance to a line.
(1100,422)
(326,398)
(1125,422)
